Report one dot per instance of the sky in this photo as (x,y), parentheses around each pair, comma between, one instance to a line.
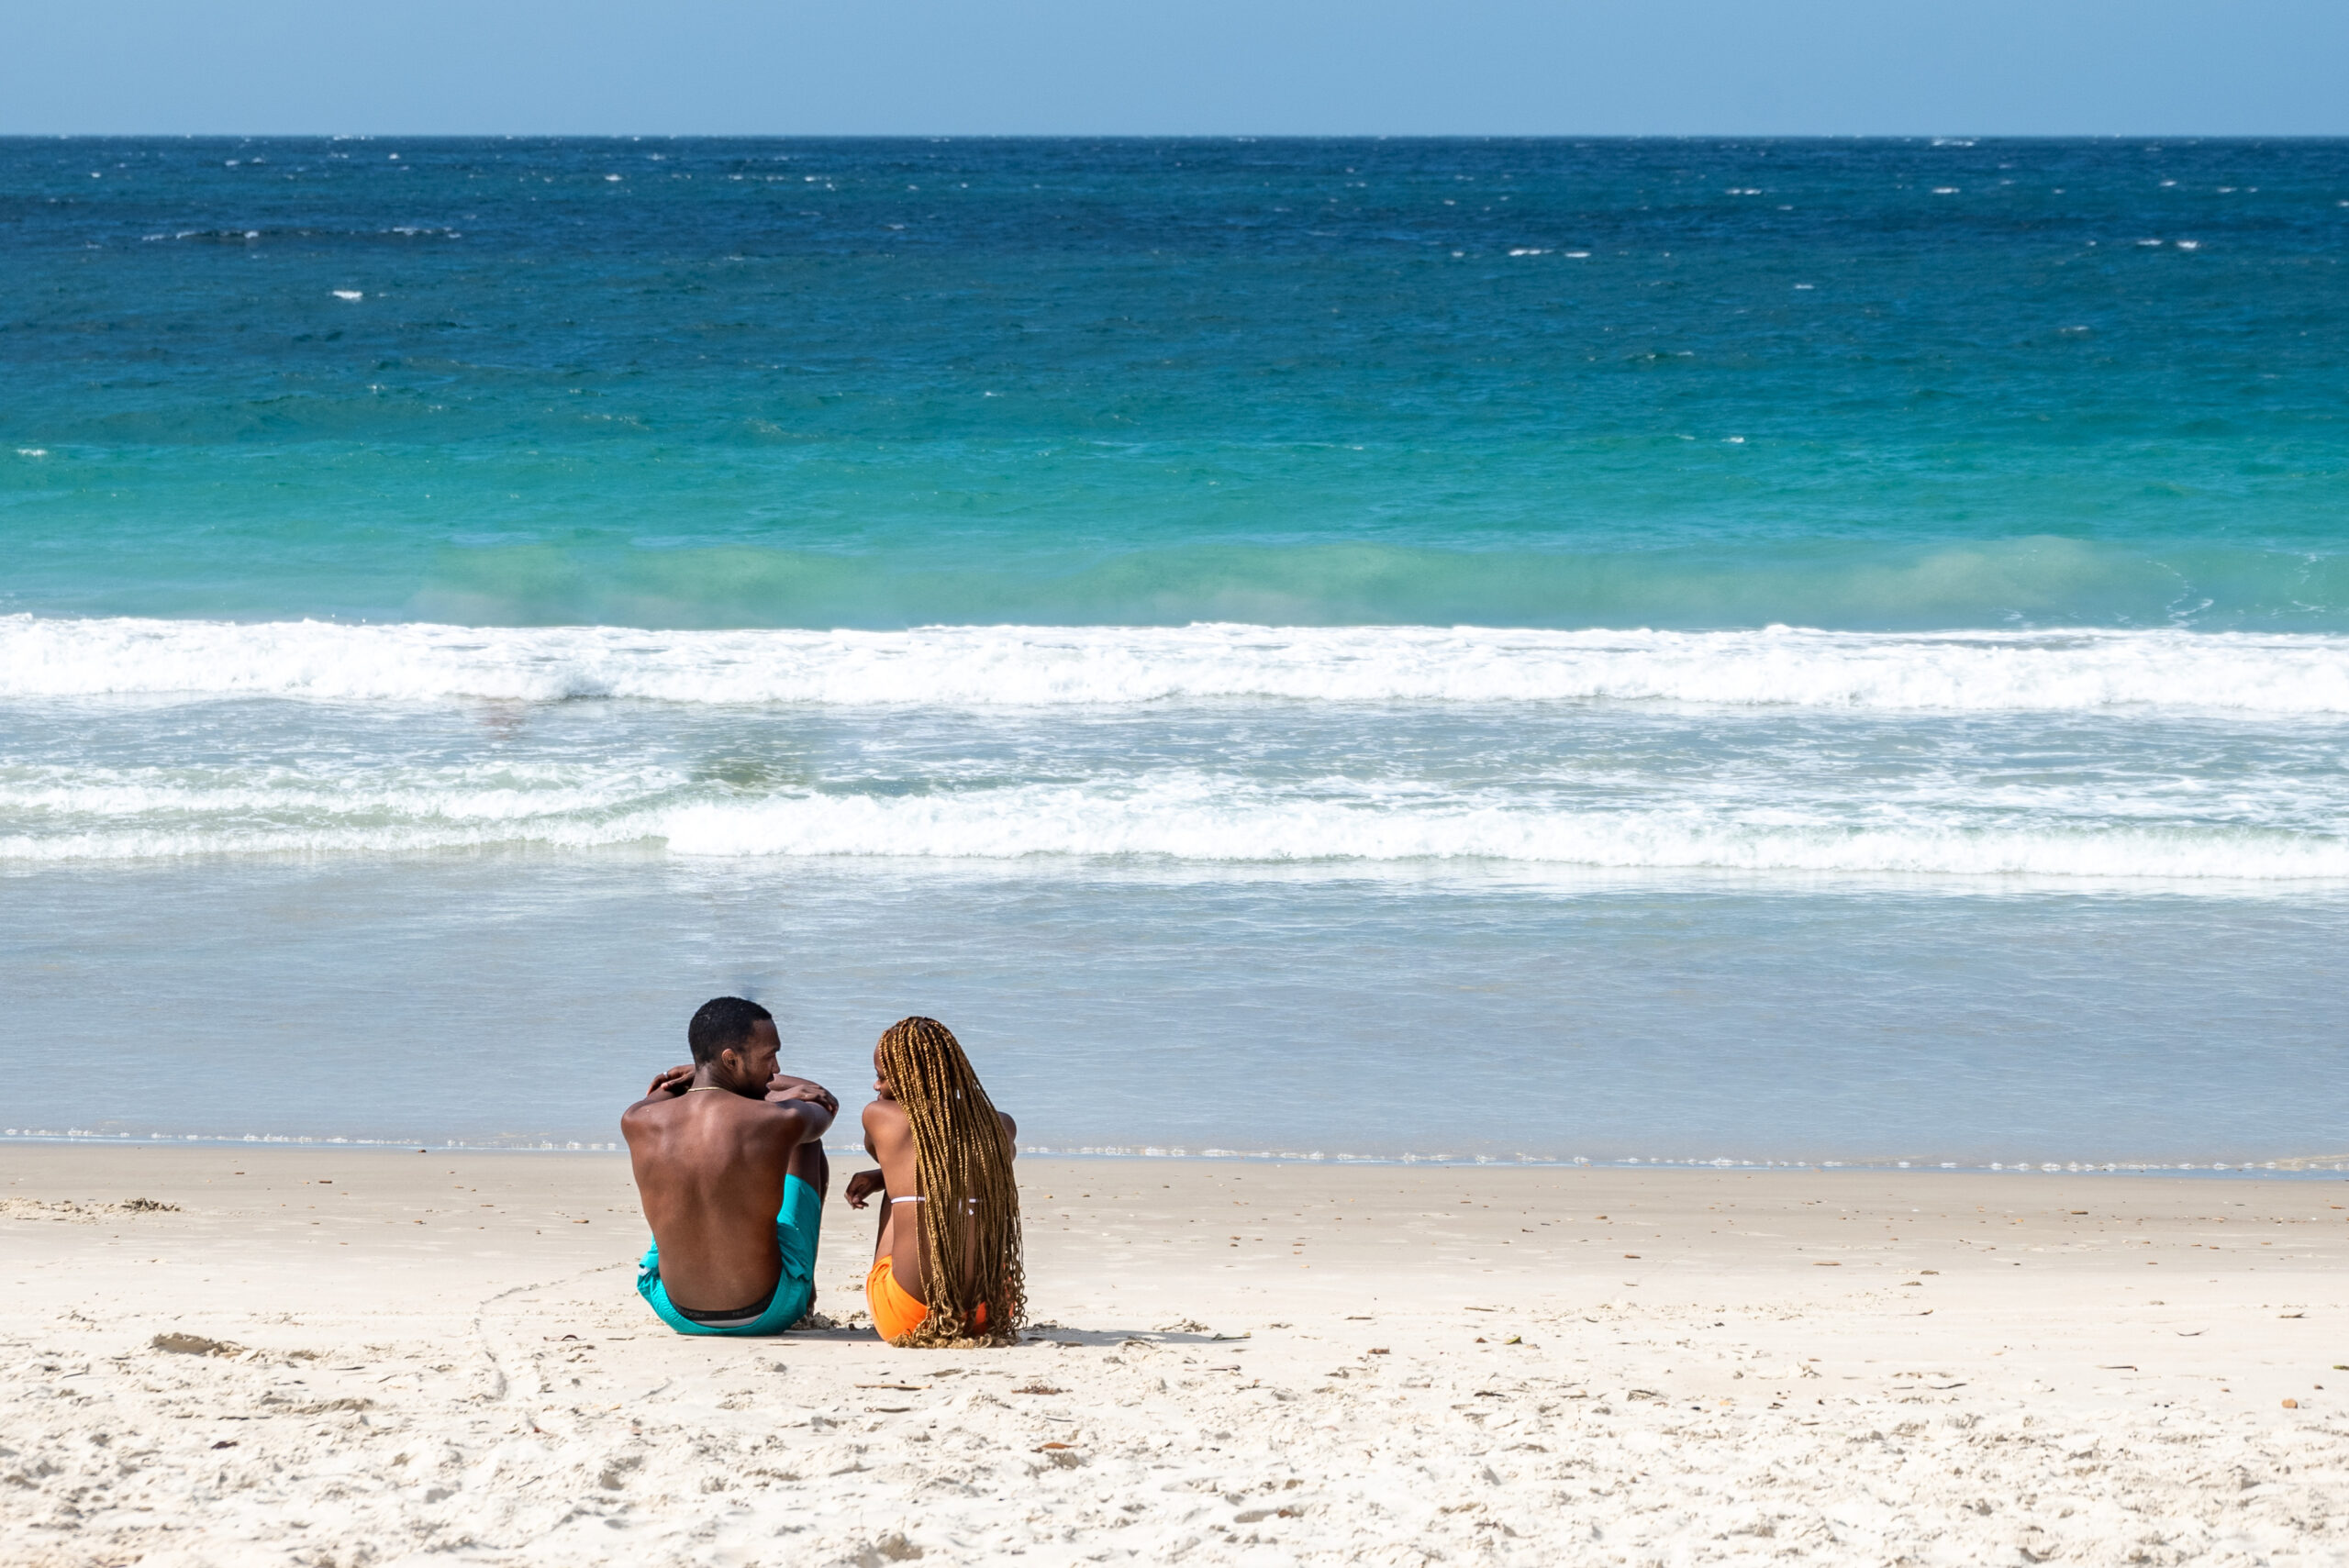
(1176,67)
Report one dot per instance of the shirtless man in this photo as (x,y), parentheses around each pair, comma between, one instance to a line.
(729,1165)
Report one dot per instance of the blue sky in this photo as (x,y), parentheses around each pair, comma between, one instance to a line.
(1270,67)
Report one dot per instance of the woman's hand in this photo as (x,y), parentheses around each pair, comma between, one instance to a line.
(863,1186)
(672,1082)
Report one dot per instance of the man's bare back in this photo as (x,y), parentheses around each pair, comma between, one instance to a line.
(712,1145)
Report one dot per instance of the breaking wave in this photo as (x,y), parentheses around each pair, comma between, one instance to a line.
(1165,818)
(2265,675)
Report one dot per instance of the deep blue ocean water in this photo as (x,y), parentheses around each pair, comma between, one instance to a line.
(1827,649)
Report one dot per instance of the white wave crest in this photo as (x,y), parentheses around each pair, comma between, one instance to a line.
(1181,822)
(1029,666)
(1188,818)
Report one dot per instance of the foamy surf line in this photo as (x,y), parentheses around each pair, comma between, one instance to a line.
(2305,1165)
(1193,821)
(1014,666)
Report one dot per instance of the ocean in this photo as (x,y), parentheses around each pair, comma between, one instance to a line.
(1645,650)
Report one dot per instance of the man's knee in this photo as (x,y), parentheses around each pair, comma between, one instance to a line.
(809,1163)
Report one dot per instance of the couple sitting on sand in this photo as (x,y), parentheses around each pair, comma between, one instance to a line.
(729,1163)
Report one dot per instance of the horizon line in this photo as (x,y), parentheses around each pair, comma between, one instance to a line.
(1942,138)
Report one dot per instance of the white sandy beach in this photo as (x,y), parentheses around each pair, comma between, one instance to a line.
(436,1357)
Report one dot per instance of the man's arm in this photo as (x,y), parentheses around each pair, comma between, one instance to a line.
(800,1121)
(782,1087)
(666,1085)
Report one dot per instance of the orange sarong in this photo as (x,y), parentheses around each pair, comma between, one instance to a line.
(897,1311)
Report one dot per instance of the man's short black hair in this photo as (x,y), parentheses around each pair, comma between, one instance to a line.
(723,1023)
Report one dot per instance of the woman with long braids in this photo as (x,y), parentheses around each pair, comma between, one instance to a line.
(946,1270)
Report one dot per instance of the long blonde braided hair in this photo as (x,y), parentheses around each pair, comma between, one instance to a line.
(961,1153)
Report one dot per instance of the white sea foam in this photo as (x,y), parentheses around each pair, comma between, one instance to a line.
(1192,820)
(996,666)
(1175,816)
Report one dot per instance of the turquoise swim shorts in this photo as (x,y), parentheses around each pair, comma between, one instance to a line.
(795,1225)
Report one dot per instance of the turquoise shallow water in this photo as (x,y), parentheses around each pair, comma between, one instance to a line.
(1774,650)
(701,383)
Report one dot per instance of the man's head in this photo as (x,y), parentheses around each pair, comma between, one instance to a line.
(734,1044)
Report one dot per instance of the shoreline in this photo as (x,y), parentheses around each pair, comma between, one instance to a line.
(385,1361)
(2281,1168)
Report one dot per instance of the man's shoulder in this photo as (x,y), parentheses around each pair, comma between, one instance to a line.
(651,1111)
(764,1119)
(708,1123)
(696,1107)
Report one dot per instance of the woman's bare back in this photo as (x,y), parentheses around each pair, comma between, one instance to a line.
(889,1139)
